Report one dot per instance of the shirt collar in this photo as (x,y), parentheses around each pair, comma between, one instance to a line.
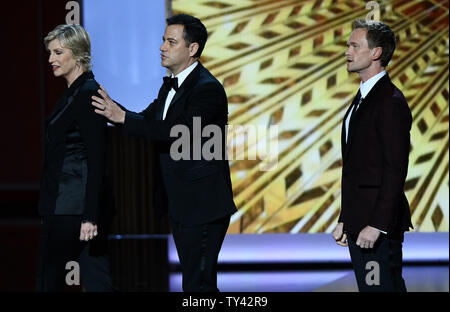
(183,75)
(366,86)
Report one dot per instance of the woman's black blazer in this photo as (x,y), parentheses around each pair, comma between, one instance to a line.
(73,175)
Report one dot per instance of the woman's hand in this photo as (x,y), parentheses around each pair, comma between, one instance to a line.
(88,231)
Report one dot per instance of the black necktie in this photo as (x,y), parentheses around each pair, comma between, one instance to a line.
(356,104)
(171,83)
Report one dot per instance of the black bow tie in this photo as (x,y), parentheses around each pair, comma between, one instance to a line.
(171,83)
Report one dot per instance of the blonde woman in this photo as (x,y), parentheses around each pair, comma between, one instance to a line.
(73,197)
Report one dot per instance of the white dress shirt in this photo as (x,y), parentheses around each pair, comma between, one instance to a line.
(181,77)
(364,88)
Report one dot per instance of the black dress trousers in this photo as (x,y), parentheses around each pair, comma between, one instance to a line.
(378,269)
(198,249)
(60,244)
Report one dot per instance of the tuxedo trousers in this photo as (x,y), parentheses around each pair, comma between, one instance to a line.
(378,269)
(198,250)
(61,254)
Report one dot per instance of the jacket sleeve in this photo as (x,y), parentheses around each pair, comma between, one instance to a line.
(393,124)
(207,102)
(341,217)
(93,133)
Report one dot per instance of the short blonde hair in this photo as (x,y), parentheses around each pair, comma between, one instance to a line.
(76,39)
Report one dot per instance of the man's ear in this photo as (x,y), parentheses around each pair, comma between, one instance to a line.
(193,48)
(376,53)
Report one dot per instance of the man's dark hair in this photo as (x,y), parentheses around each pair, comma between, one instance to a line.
(194,30)
(378,35)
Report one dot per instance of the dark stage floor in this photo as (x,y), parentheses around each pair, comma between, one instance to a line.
(417,279)
(247,263)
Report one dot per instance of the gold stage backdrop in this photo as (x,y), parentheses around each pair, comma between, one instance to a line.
(282,63)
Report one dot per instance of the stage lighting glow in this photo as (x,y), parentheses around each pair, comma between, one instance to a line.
(125,38)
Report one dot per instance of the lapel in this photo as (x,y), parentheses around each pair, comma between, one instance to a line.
(344,130)
(67,97)
(60,104)
(176,106)
(364,105)
(159,107)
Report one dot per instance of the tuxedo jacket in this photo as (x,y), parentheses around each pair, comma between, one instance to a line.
(73,174)
(375,162)
(194,190)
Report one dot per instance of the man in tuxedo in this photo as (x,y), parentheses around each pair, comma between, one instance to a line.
(195,190)
(375,149)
